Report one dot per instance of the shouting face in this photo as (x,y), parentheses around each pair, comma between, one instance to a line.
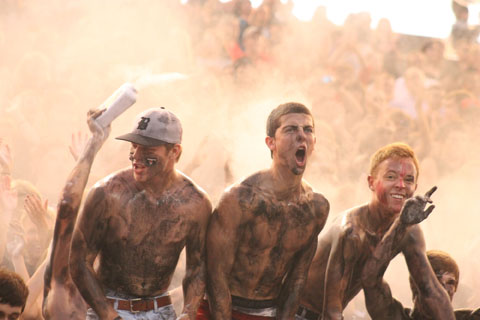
(293,142)
(393,182)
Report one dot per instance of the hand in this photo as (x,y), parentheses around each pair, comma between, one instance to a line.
(37,212)
(413,209)
(79,141)
(99,133)
(93,125)
(183,316)
(6,161)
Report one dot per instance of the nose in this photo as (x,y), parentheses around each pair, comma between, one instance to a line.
(135,154)
(400,183)
(301,135)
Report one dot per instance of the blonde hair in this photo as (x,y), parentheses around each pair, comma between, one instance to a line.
(393,150)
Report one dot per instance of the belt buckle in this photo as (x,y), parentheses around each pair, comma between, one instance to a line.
(131,305)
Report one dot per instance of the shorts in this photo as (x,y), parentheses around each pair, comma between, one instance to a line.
(158,313)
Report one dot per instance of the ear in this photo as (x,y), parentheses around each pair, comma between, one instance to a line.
(370,180)
(176,151)
(270,142)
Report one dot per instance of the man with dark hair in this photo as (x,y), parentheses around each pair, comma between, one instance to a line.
(263,233)
(334,277)
(13,295)
(138,221)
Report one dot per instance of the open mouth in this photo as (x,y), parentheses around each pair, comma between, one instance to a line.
(300,156)
(397,196)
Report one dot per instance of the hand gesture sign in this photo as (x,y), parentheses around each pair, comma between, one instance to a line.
(413,209)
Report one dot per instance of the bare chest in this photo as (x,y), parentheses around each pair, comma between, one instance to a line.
(141,222)
(289,225)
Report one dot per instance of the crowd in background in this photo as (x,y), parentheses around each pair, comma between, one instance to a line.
(367,86)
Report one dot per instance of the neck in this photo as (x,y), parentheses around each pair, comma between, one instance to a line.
(377,220)
(284,182)
(159,183)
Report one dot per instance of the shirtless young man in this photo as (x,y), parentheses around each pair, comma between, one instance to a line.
(334,277)
(263,234)
(61,297)
(378,297)
(138,220)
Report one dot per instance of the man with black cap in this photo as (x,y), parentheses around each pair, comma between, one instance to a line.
(137,221)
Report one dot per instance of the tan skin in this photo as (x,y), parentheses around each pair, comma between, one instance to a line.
(335,274)
(61,297)
(8,312)
(138,221)
(378,299)
(263,233)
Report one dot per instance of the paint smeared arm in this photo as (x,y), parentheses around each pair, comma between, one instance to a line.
(378,297)
(195,275)
(70,200)
(293,285)
(222,241)
(341,262)
(433,295)
(295,281)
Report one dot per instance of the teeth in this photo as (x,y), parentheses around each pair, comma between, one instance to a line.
(397,196)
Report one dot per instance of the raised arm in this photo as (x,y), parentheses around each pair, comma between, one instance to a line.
(433,295)
(89,231)
(222,240)
(378,297)
(69,203)
(195,275)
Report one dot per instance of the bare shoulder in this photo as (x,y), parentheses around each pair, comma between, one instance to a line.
(243,193)
(193,195)
(346,226)
(320,203)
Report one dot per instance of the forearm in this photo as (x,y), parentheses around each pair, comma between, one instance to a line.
(19,265)
(193,291)
(84,277)
(289,299)
(376,265)
(219,296)
(439,305)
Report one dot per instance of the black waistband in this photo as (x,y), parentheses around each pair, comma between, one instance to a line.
(253,304)
(307,313)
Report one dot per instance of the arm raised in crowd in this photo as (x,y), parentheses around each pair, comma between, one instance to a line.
(378,297)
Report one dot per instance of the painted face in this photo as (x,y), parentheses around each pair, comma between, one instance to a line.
(393,183)
(294,142)
(148,162)
(7,312)
(449,282)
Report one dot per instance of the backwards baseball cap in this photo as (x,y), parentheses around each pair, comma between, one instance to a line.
(154,127)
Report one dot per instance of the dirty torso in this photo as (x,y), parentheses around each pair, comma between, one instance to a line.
(143,235)
(355,245)
(273,232)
